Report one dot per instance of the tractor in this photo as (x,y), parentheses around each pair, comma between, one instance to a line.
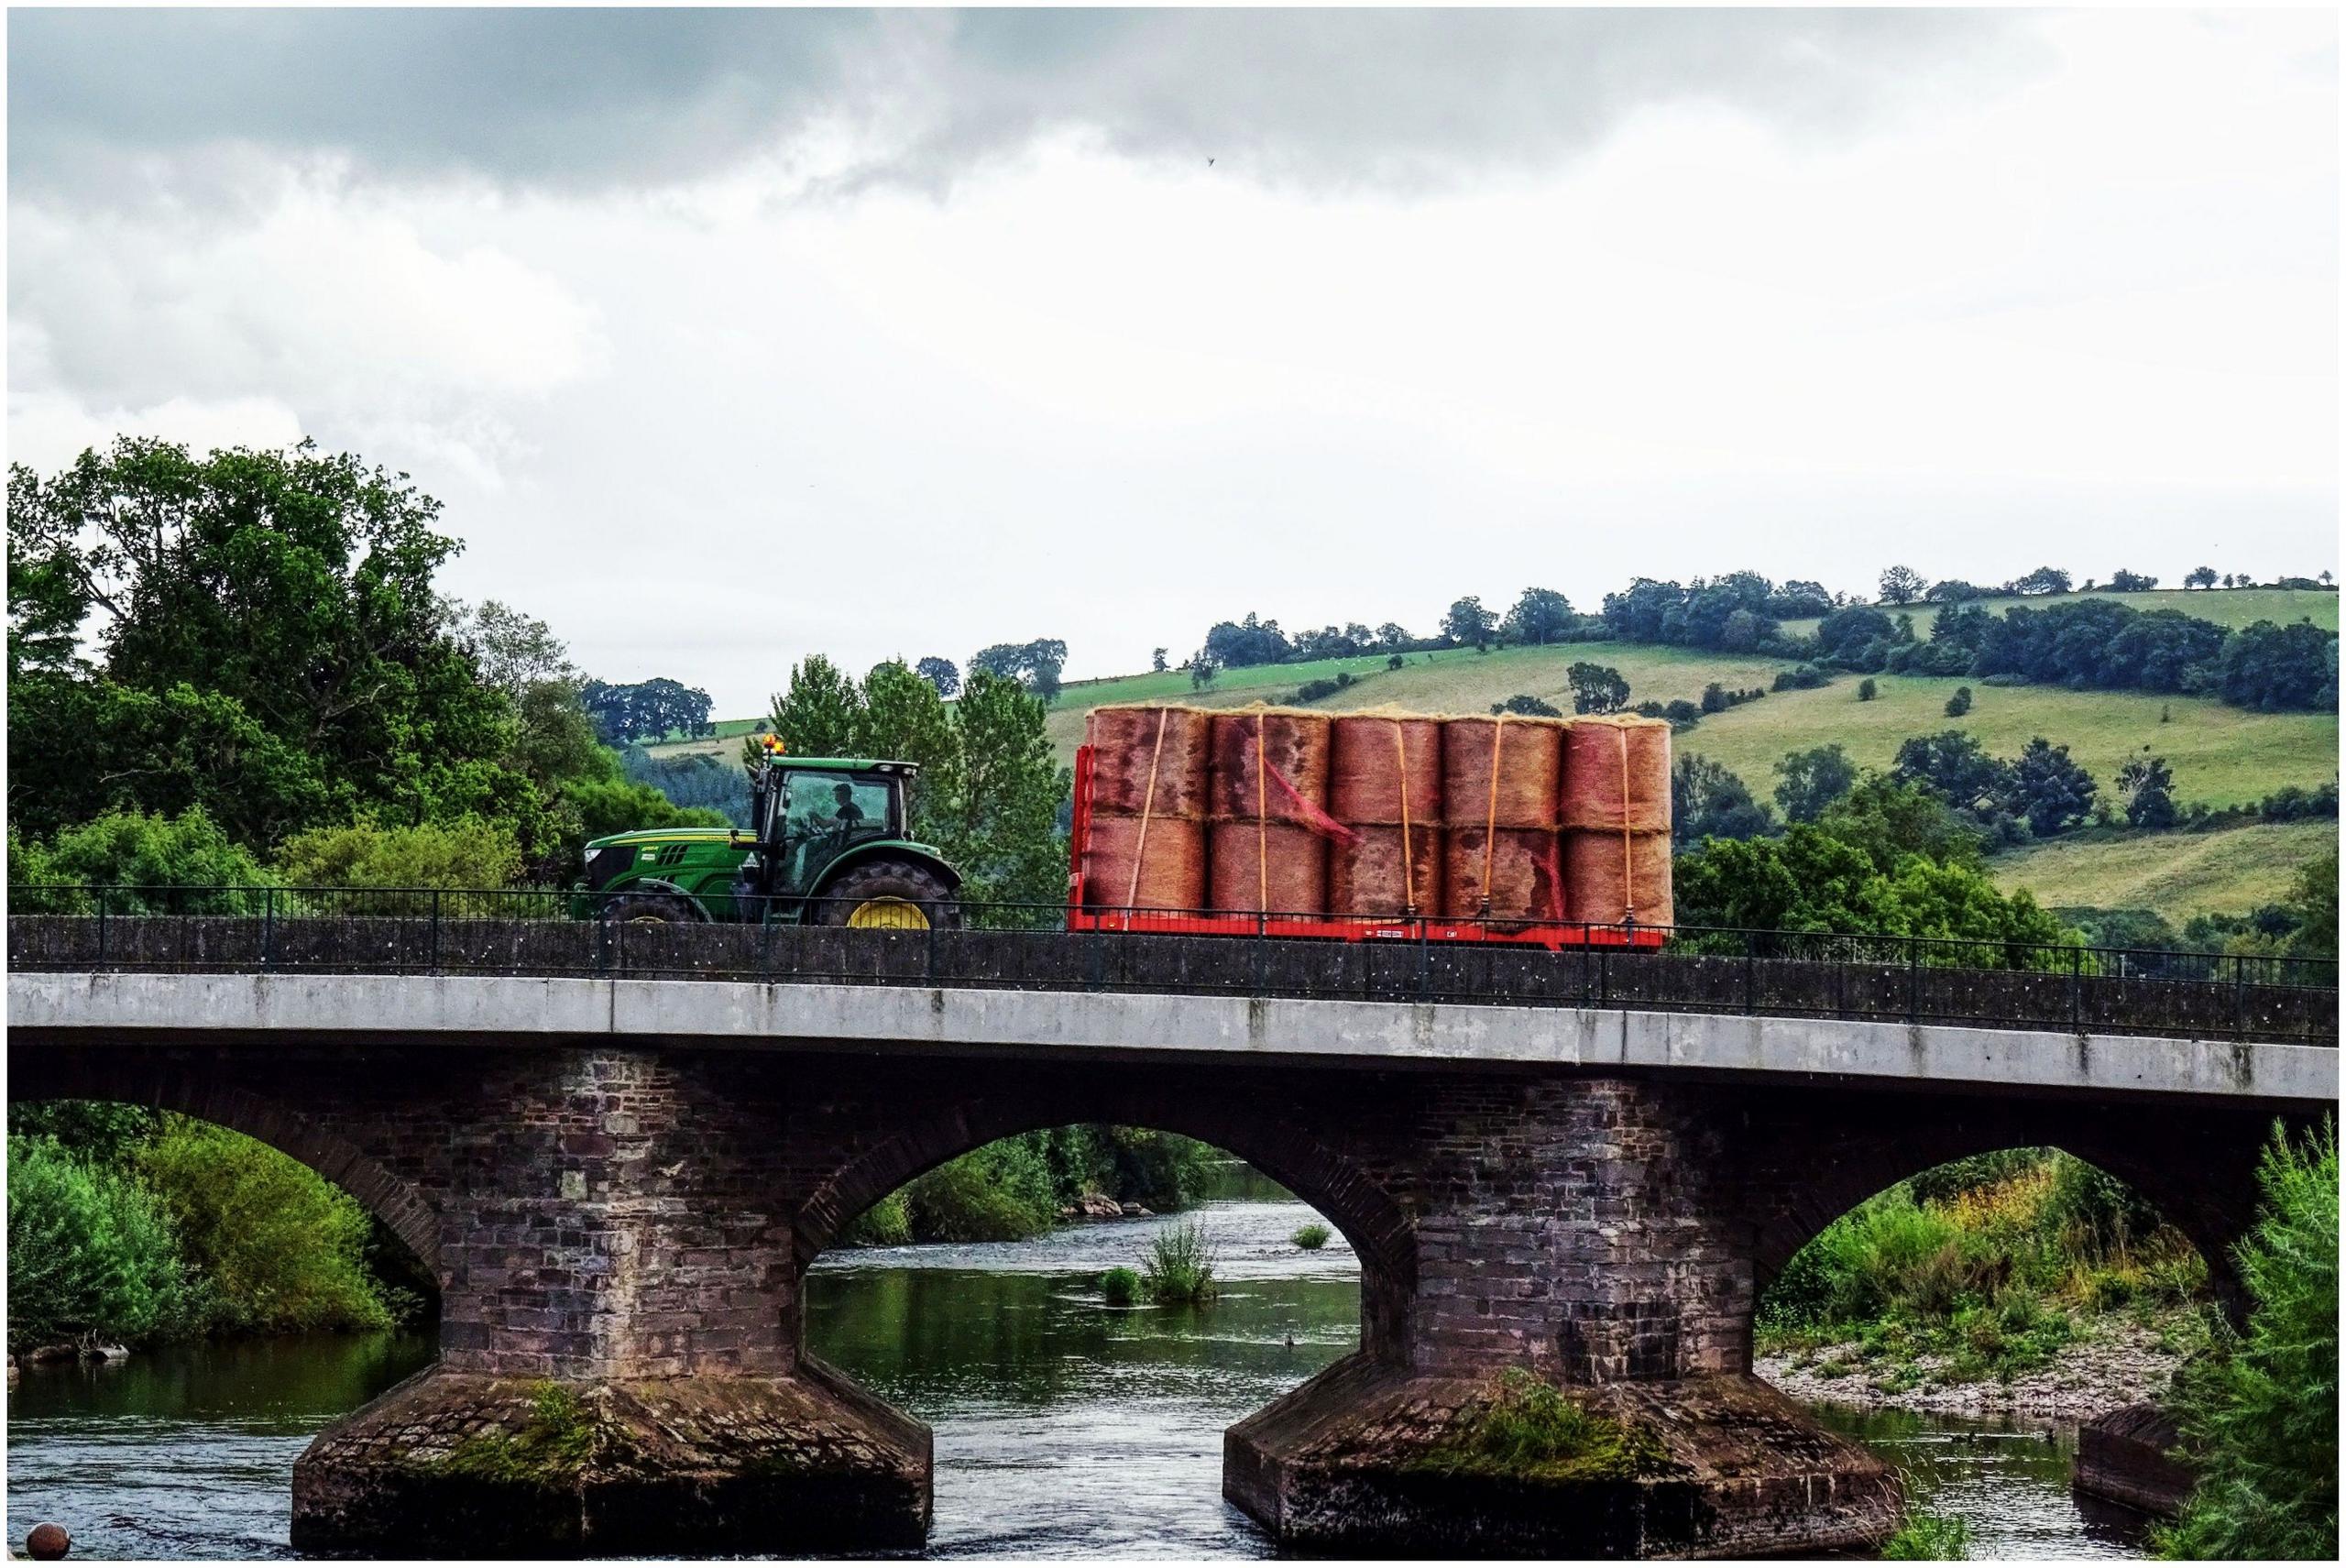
(827,846)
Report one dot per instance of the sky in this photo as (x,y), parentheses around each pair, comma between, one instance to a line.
(731,336)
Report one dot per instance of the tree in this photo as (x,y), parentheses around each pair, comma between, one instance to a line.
(1954,764)
(471,854)
(2044,580)
(946,676)
(270,647)
(1035,665)
(2264,666)
(1960,703)
(1001,828)
(1901,584)
(2122,581)
(1538,616)
(1867,690)
(818,716)
(1156,659)
(1466,623)
(2313,902)
(89,1251)
(2200,578)
(902,717)
(1237,644)
(1597,688)
(512,650)
(1393,637)
(2050,791)
(1202,670)
(1530,705)
(1889,820)
(1808,782)
(1707,801)
(135,850)
(2147,789)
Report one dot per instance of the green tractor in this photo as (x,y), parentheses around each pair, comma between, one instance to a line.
(827,846)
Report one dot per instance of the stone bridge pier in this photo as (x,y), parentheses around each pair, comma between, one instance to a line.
(622,1232)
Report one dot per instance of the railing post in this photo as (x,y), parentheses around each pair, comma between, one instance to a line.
(1425,963)
(102,925)
(931,953)
(1913,979)
(2077,990)
(2240,996)
(435,930)
(1750,981)
(267,926)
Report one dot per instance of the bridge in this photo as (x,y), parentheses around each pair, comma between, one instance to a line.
(620,1149)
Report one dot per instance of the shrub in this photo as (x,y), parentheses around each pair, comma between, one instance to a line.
(1929,1538)
(1311,1237)
(1530,1427)
(270,1245)
(1180,1267)
(1120,1286)
(1002,1192)
(131,849)
(1960,703)
(1312,691)
(462,854)
(1394,662)
(2263,1410)
(888,1222)
(1867,689)
(90,1253)
(1801,677)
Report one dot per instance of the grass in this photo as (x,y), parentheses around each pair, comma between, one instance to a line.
(1180,1267)
(1120,1286)
(2227,872)
(1929,1538)
(1531,1429)
(548,1450)
(1311,1237)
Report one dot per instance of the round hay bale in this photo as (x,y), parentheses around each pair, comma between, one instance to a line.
(1371,878)
(1376,762)
(1525,875)
(1128,742)
(1616,774)
(1294,747)
(1608,876)
(1272,868)
(1172,863)
(1528,755)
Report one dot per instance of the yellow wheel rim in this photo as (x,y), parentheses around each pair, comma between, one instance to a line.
(888,915)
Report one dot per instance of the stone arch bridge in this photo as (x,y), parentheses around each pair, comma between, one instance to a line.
(621,1183)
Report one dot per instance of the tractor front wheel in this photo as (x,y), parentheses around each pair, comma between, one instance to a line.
(649,908)
(890,895)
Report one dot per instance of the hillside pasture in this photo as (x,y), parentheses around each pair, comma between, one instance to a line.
(2228,872)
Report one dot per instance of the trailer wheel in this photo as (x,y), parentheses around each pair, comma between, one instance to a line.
(648,909)
(890,895)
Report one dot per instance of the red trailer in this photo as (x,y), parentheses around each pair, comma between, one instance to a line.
(1084,913)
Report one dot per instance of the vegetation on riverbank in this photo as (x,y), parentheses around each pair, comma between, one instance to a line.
(2260,1413)
(1531,1429)
(1987,1269)
(1022,1186)
(129,1226)
(1929,1538)
(1178,1270)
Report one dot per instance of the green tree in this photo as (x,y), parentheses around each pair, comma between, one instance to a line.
(1889,821)
(1901,584)
(1867,690)
(903,718)
(270,1245)
(2147,789)
(818,715)
(1960,703)
(2261,1412)
(1467,624)
(2313,901)
(135,849)
(2046,788)
(2200,577)
(1596,688)
(1539,615)
(946,676)
(1001,827)
(89,1251)
(1807,782)
(469,853)
(270,647)
(1708,801)
(1952,763)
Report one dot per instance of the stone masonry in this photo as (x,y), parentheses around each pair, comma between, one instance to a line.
(621,1232)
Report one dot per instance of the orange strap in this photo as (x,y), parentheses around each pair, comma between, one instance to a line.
(1147,807)
(1491,813)
(1262,824)
(1408,861)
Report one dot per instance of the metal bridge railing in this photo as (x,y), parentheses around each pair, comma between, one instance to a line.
(540,931)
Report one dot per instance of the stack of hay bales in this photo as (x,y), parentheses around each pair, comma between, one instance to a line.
(1616,819)
(1149,775)
(1515,819)
(1384,784)
(1266,844)
(1501,779)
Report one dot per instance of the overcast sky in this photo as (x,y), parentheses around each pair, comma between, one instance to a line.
(728,337)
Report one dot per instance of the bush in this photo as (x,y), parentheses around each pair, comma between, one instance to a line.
(1180,1267)
(270,1245)
(1002,1192)
(133,849)
(1394,662)
(1311,1237)
(1960,703)
(2263,1410)
(887,1222)
(1801,677)
(90,1253)
(1312,691)
(1929,1538)
(462,855)
(1120,1286)
(1867,689)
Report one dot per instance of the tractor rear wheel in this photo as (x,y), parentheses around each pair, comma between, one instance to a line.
(890,895)
(649,908)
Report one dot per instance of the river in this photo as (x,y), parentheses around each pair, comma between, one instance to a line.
(1064,1428)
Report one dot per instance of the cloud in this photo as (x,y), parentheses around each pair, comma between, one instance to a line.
(571,99)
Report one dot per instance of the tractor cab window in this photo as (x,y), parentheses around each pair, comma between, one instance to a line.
(825,812)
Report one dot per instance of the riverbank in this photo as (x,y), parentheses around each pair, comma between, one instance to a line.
(2112,1359)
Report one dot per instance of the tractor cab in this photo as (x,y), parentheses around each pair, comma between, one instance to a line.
(831,846)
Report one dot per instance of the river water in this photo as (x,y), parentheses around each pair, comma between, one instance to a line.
(1064,1428)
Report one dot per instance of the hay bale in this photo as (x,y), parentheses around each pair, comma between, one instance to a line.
(1131,746)
(1164,870)
(1292,748)
(1385,770)
(1273,867)
(1616,774)
(1370,877)
(1525,876)
(1608,876)
(1524,755)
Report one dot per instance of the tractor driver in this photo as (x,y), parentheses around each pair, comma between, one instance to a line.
(846,816)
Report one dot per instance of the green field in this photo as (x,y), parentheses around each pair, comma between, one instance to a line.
(2229,871)
(2234,607)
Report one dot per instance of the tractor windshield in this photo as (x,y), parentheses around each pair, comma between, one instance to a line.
(823,814)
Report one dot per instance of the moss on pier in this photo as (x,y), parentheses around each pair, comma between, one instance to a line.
(1532,1430)
(548,1449)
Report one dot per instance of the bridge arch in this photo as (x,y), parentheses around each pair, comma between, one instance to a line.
(158,1086)
(1378,1229)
